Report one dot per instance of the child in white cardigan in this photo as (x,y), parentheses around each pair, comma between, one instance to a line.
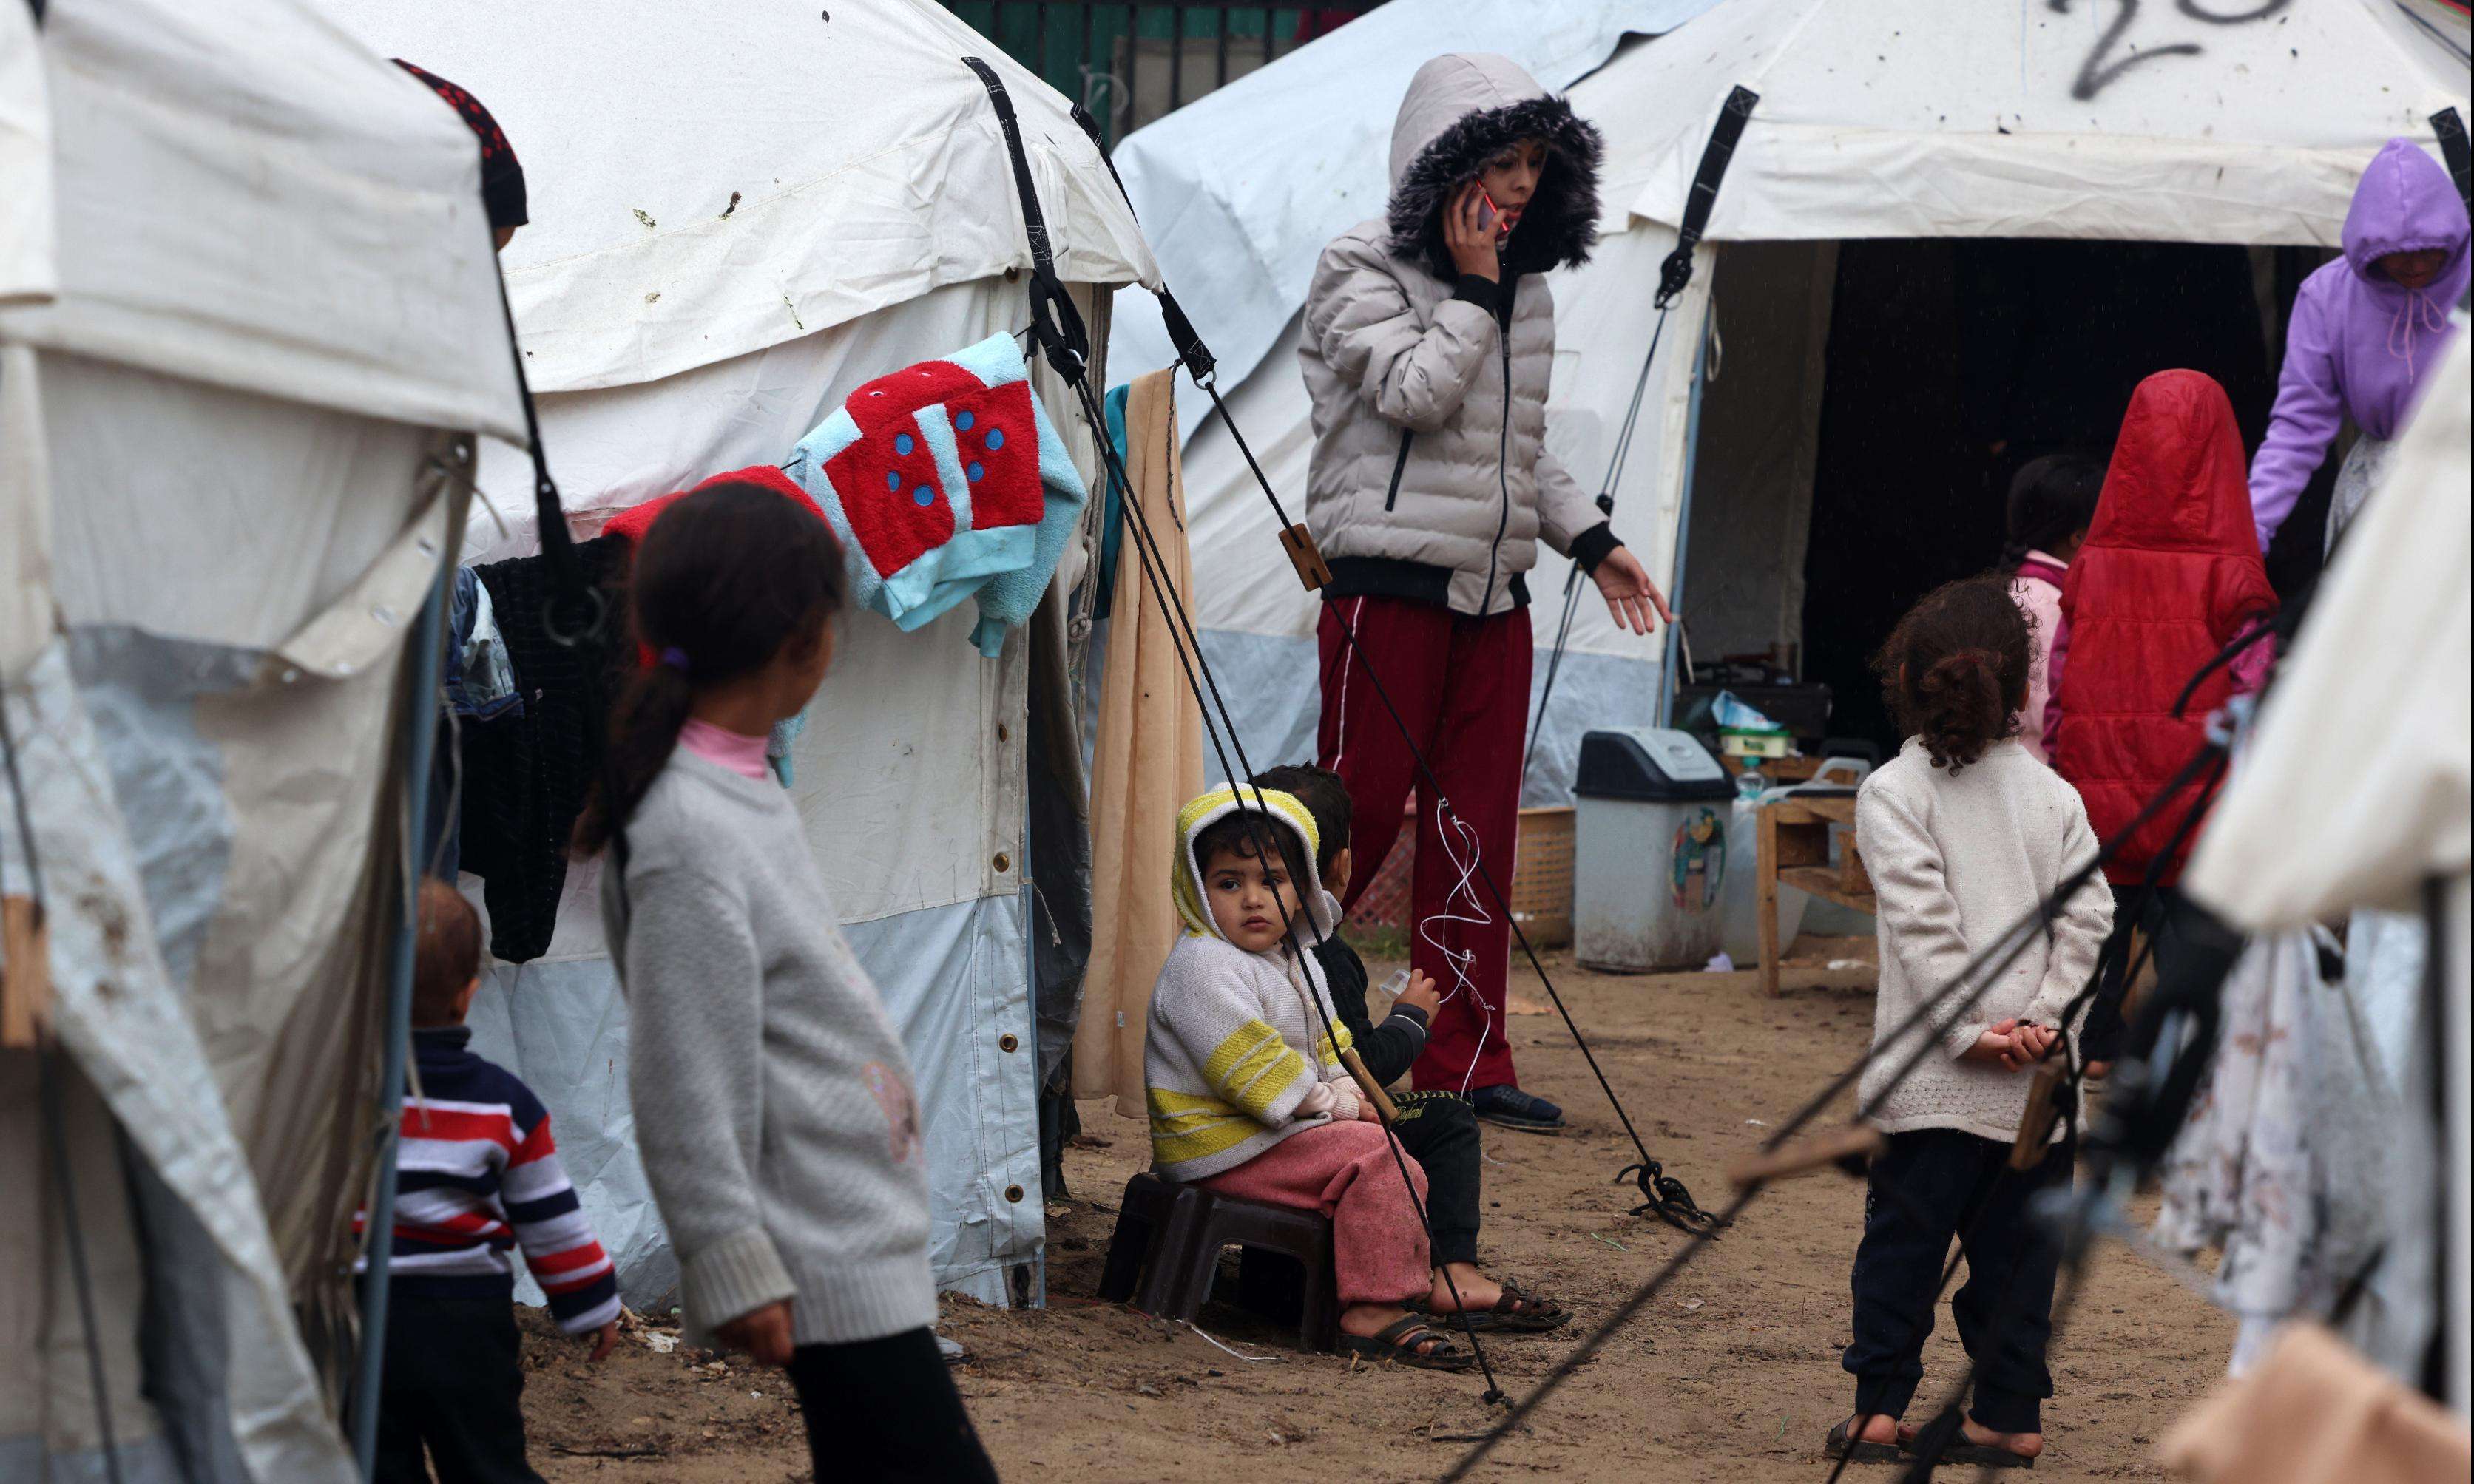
(1965,834)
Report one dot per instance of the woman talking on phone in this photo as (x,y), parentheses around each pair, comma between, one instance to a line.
(1429,336)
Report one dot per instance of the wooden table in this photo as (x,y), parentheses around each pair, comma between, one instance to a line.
(1795,852)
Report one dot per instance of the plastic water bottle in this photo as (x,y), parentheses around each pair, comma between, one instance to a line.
(1749,782)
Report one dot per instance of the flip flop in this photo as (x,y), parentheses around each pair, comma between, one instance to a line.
(1399,1342)
(1516,1312)
(1860,1450)
(1985,1455)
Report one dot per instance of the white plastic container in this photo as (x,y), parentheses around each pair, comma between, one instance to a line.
(1651,814)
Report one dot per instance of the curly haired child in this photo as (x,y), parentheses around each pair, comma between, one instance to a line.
(1966,835)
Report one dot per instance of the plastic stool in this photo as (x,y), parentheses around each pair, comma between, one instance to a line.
(1168,1241)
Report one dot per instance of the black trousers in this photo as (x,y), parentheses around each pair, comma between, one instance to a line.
(1439,1130)
(885,1410)
(454,1385)
(1927,1188)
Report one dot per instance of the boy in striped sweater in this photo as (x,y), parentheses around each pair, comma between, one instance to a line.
(477,1173)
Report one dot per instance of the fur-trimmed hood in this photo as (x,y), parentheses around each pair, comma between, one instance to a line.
(1460,111)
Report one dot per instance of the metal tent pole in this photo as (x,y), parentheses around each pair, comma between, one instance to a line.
(1031,988)
(1683,513)
(420,719)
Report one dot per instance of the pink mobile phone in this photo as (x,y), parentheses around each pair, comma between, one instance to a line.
(1492,216)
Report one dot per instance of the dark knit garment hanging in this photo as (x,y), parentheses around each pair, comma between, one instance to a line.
(524,777)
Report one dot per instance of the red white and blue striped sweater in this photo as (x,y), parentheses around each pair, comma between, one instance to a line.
(475,1174)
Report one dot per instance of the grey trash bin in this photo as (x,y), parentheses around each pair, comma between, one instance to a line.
(1649,854)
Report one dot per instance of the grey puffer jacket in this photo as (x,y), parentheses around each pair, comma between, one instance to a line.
(1429,480)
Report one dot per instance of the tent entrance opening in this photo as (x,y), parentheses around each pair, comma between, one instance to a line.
(1868,403)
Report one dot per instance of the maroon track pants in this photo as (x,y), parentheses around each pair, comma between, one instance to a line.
(1462,687)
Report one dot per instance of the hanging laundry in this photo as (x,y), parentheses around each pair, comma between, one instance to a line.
(480,680)
(2284,1160)
(946,481)
(1112,506)
(1147,763)
(525,776)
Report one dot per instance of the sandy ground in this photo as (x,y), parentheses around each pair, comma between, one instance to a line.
(1731,1374)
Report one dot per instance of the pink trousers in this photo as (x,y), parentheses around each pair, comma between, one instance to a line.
(1344,1170)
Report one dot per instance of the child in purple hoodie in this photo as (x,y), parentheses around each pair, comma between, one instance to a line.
(2367,330)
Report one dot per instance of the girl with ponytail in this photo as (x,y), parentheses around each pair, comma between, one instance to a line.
(772,1097)
(1965,834)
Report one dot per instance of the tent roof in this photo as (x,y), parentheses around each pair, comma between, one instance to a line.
(327,244)
(1243,188)
(1956,118)
(703,189)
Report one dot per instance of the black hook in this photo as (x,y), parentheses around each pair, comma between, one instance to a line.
(1665,1197)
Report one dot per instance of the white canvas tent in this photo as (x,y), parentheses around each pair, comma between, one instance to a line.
(733,226)
(2357,789)
(1944,120)
(271,378)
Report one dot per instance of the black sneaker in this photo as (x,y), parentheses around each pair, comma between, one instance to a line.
(1511,1108)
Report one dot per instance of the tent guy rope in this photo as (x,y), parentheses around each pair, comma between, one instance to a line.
(1057,325)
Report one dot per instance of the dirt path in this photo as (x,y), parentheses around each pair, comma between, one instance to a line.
(1731,1374)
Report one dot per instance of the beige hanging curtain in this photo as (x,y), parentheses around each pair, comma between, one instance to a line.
(1149,762)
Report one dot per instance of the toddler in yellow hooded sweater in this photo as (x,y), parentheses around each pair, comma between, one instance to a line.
(1246,1092)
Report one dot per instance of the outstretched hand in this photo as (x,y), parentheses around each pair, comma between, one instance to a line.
(1631,596)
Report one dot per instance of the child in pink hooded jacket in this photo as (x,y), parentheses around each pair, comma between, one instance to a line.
(2366,331)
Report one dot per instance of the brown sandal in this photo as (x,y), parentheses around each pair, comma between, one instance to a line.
(1411,1342)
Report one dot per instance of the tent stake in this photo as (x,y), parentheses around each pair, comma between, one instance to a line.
(421,723)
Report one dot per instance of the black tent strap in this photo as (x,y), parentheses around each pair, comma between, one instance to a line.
(574,613)
(1676,270)
(1055,323)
